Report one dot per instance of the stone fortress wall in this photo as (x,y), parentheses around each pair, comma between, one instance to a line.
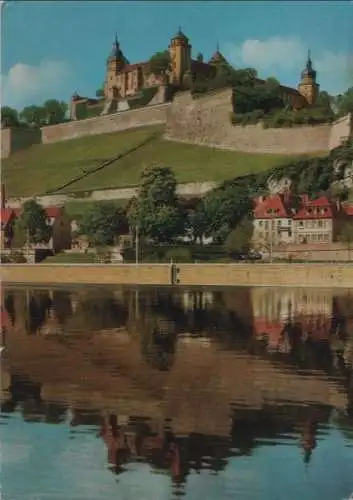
(13,140)
(204,120)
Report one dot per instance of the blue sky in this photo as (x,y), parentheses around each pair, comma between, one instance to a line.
(53,48)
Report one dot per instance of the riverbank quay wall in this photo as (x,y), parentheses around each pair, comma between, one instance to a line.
(306,275)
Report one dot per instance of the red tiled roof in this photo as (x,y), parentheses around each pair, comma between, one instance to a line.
(271,208)
(6,214)
(315,209)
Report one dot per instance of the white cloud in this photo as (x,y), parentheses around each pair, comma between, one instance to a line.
(280,54)
(25,84)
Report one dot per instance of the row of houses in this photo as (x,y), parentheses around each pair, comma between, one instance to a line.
(281,219)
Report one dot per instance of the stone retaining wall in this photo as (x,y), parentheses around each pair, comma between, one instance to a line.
(116,122)
(206,120)
(296,275)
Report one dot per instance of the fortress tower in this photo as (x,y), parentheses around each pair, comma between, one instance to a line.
(180,57)
(308,87)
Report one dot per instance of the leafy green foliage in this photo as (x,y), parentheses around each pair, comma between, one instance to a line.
(223,208)
(34,115)
(239,239)
(55,111)
(346,233)
(156,211)
(315,175)
(103,223)
(9,117)
(159,63)
(100,92)
(33,223)
(344,102)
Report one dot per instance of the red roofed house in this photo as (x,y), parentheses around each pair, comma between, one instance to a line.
(272,220)
(56,218)
(306,221)
(313,221)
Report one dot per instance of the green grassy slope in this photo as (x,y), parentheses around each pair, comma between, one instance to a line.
(48,166)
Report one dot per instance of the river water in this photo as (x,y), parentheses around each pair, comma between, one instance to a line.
(121,393)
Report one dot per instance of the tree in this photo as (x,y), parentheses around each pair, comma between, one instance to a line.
(324,101)
(344,102)
(100,92)
(224,207)
(195,220)
(33,223)
(159,63)
(55,111)
(157,211)
(9,117)
(34,115)
(239,239)
(103,223)
(346,236)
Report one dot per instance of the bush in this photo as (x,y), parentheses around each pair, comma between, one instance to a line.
(251,118)
(292,118)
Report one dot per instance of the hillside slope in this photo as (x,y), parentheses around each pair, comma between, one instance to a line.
(74,165)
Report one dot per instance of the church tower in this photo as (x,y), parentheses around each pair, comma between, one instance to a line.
(115,64)
(180,57)
(308,87)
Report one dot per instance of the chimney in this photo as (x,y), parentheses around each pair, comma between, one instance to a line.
(305,198)
(338,205)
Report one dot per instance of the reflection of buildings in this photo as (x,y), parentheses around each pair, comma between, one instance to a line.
(148,376)
(309,310)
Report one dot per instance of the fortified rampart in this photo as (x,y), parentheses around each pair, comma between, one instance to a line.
(206,120)
(15,139)
(116,122)
(203,120)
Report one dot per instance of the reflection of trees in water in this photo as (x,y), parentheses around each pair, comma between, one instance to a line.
(158,341)
(9,305)
(38,307)
(62,305)
(100,310)
(26,396)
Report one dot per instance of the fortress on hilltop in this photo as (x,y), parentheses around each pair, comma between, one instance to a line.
(125,83)
(160,92)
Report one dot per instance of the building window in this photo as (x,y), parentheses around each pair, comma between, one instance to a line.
(301,223)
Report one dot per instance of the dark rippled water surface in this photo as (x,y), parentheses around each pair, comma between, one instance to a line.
(119,393)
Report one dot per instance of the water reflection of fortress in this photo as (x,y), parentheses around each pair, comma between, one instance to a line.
(172,359)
